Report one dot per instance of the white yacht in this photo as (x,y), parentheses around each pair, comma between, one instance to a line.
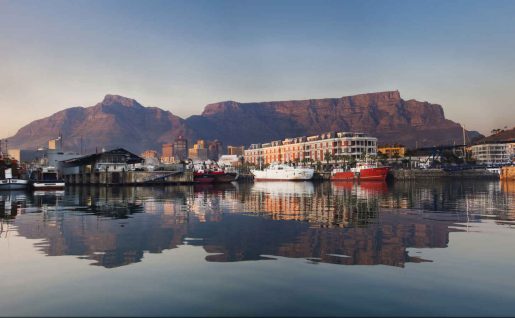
(10,183)
(47,179)
(283,172)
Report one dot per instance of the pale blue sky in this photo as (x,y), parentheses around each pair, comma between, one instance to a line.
(182,55)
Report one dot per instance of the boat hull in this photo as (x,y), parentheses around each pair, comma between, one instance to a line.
(203,178)
(282,175)
(368,174)
(343,176)
(373,174)
(225,177)
(13,184)
(48,185)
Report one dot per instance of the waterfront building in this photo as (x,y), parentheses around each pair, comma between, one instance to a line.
(313,148)
(23,155)
(54,158)
(493,153)
(199,151)
(167,154)
(234,150)
(392,151)
(116,160)
(180,148)
(215,150)
(55,144)
(167,150)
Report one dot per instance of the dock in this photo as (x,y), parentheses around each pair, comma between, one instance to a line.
(130,178)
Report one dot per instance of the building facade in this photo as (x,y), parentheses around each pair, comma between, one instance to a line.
(497,153)
(180,148)
(199,151)
(233,150)
(392,151)
(313,148)
(167,154)
(149,154)
(215,150)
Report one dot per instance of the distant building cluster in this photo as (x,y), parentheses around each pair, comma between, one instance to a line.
(201,150)
(313,148)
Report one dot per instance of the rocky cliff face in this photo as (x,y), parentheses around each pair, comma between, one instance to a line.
(115,122)
(122,122)
(385,115)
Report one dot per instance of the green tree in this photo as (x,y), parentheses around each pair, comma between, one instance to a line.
(328,157)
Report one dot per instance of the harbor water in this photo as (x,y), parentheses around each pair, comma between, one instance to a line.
(430,248)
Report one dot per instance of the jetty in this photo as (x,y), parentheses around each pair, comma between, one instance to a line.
(414,174)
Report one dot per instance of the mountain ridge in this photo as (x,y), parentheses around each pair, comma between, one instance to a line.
(119,121)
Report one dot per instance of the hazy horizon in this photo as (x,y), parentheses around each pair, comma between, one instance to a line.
(183,55)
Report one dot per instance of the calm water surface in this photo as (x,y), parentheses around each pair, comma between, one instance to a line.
(280,249)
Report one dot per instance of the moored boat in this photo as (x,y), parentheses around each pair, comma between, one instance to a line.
(202,176)
(47,179)
(283,172)
(10,183)
(364,171)
(223,176)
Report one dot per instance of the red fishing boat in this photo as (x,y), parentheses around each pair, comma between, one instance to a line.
(222,176)
(364,171)
(202,176)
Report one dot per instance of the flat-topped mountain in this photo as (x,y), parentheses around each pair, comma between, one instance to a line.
(123,122)
(384,115)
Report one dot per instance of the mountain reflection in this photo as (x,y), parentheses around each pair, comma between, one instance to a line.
(340,223)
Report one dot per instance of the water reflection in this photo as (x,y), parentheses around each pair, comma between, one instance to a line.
(340,223)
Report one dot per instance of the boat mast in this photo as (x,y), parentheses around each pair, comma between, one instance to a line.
(463,130)
(464,144)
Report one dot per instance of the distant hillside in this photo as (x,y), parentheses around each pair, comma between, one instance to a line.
(115,122)
(122,122)
(384,115)
(501,136)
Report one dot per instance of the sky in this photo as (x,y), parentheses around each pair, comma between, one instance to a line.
(183,55)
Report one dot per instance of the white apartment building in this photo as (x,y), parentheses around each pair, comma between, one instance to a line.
(314,148)
(493,153)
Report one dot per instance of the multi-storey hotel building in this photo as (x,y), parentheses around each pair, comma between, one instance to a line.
(493,153)
(314,148)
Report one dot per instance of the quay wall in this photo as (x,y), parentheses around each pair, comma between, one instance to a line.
(508,173)
(413,174)
(130,178)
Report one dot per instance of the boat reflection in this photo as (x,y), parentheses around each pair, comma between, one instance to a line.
(11,202)
(332,222)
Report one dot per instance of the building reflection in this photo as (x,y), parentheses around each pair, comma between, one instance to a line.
(340,223)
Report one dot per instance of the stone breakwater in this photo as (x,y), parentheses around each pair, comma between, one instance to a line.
(404,174)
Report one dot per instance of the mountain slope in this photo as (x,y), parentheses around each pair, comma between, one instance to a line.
(383,114)
(501,136)
(115,122)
